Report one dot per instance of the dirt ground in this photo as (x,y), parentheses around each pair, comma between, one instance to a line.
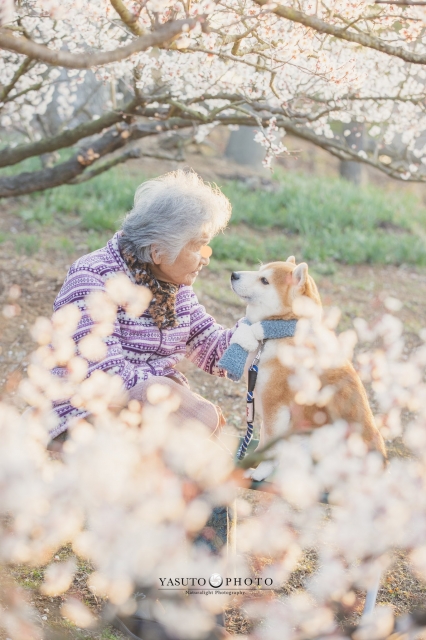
(357,290)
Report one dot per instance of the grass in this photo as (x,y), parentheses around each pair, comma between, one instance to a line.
(321,220)
(324,219)
(99,203)
(28,577)
(63,244)
(27,243)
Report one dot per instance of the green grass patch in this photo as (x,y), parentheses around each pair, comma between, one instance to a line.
(232,246)
(99,203)
(96,240)
(322,220)
(307,205)
(63,245)
(110,634)
(27,577)
(39,212)
(27,243)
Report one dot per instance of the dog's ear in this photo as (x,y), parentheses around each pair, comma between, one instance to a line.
(300,275)
(291,259)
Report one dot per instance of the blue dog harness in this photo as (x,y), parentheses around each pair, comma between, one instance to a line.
(235,357)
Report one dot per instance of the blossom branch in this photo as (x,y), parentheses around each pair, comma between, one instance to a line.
(363,39)
(112,140)
(88,60)
(128,17)
(22,69)
(407,3)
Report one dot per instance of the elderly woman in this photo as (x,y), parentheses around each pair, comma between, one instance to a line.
(163,246)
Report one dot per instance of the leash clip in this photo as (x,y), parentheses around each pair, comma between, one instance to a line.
(252,375)
(258,354)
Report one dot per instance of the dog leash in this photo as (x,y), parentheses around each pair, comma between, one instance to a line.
(250,413)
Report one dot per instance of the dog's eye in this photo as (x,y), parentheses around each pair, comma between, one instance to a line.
(264,281)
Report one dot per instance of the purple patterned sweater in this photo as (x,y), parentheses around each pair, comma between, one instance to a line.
(137,349)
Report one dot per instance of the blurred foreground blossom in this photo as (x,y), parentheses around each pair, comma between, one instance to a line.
(7,11)
(134,487)
(58,578)
(78,613)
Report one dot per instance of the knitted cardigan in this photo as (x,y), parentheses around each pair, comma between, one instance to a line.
(137,349)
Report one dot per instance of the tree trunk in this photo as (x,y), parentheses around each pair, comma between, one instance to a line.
(244,150)
(350,170)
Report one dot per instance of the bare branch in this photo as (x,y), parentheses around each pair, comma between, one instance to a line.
(112,140)
(363,39)
(12,155)
(40,52)
(128,155)
(106,166)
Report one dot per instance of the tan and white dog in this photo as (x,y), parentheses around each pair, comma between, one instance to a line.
(270,293)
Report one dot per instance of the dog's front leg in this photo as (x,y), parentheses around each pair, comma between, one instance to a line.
(266,467)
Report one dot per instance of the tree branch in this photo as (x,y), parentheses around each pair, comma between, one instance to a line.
(12,155)
(106,166)
(22,69)
(364,39)
(33,87)
(40,52)
(299,130)
(406,3)
(127,155)
(128,17)
(112,140)
(336,148)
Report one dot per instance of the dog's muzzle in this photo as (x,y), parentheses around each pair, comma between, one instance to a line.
(235,275)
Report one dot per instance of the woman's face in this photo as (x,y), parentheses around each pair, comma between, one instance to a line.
(187,265)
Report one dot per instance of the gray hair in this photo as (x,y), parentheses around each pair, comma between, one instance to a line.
(170,211)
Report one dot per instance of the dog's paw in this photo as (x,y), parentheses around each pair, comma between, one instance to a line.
(265,468)
(257,330)
(243,336)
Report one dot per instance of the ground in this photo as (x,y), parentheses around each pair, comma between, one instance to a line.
(357,290)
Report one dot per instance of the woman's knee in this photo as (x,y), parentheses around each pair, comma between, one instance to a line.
(192,406)
(140,390)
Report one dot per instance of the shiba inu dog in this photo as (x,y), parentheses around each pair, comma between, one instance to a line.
(270,293)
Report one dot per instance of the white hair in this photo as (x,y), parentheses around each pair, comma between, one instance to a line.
(170,211)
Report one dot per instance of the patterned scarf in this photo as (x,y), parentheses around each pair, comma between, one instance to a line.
(163,304)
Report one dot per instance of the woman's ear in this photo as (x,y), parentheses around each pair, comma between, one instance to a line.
(156,254)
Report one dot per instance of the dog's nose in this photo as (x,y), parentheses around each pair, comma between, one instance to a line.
(235,275)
